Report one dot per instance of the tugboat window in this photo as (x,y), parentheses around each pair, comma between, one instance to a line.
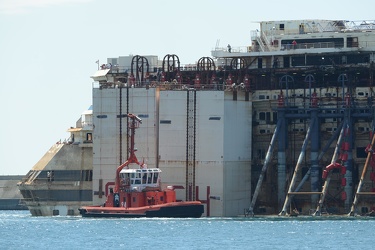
(156,177)
(149,179)
(144,179)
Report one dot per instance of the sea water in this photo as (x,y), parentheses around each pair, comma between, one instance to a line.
(19,230)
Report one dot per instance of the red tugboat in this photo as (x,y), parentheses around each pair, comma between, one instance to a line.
(138,193)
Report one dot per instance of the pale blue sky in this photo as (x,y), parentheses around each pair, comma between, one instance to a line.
(48,52)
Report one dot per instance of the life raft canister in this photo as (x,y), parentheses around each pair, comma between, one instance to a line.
(281,99)
(246,80)
(162,78)
(314,100)
(131,79)
(229,79)
(343,181)
(197,80)
(343,170)
(179,77)
(343,195)
(213,79)
(347,99)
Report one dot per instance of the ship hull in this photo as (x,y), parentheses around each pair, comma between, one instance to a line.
(49,208)
(169,210)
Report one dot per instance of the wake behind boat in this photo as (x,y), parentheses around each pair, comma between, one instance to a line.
(138,193)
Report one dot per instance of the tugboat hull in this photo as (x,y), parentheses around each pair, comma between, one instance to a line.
(170,210)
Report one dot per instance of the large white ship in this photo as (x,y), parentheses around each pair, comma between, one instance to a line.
(282,125)
(61,181)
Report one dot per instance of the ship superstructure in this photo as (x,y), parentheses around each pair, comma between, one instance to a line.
(61,181)
(10,195)
(311,80)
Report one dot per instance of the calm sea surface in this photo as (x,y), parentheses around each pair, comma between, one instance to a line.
(18,230)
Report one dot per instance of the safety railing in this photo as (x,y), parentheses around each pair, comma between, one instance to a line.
(221,85)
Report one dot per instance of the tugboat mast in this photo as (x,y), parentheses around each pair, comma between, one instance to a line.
(135,120)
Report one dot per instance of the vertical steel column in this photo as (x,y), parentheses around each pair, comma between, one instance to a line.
(349,171)
(281,156)
(349,135)
(314,173)
(314,161)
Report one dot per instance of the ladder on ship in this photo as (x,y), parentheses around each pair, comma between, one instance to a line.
(190,144)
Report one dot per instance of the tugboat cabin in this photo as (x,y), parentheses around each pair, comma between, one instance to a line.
(140,179)
(140,187)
